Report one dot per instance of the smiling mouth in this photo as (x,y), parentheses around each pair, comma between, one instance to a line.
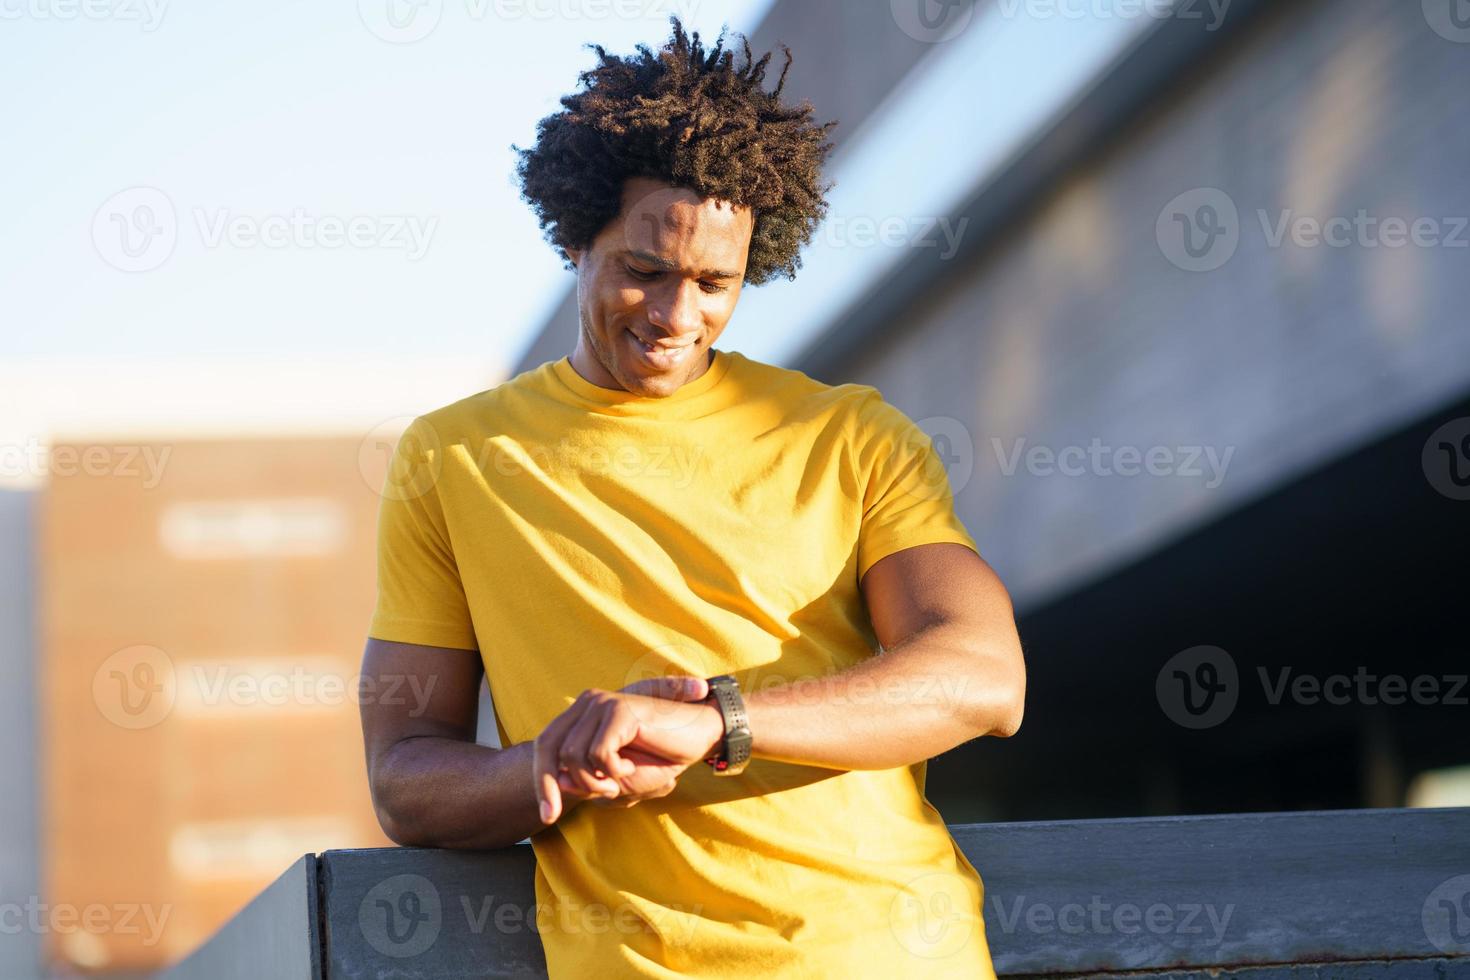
(661,356)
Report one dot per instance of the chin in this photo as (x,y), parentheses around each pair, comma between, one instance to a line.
(653,386)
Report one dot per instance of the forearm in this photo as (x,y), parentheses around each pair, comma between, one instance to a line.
(444,792)
(941,687)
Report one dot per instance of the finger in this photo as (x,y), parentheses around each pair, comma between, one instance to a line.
(671,688)
(572,755)
(544,762)
(592,776)
(615,729)
(571,789)
(642,757)
(651,793)
(548,793)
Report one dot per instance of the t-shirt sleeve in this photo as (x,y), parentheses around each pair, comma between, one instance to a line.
(907,499)
(420,596)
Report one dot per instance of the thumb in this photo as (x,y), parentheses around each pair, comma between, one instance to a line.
(678,688)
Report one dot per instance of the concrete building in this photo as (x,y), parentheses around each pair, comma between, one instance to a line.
(202,608)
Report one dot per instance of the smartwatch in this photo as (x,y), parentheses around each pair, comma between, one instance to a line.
(734,748)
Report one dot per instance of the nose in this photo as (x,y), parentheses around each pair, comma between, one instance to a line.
(675,309)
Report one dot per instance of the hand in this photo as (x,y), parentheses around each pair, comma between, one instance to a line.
(621,747)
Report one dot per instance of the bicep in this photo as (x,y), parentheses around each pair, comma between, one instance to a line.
(932,584)
(410,690)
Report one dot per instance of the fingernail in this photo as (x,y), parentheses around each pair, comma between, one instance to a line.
(546,811)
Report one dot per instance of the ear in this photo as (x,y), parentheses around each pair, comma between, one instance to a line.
(574,256)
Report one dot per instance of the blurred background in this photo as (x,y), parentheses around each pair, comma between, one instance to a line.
(1177,287)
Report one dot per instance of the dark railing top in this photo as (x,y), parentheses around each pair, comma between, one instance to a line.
(1381,894)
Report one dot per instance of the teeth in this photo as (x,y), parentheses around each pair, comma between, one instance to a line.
(664,353)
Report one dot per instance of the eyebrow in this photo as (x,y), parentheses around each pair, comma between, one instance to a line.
(662,263)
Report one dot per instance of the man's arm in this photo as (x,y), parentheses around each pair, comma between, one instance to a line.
(432,785)
(952,670)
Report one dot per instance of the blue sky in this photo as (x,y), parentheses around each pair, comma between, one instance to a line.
(246,118)
(284,217)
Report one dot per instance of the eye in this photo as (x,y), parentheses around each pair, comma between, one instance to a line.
(640,275)
(712,287)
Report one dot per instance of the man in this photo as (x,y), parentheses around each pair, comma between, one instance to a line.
(604,534)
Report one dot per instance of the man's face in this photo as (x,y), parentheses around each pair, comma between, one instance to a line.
(657,286)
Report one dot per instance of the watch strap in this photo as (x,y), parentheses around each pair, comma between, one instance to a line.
(734,747)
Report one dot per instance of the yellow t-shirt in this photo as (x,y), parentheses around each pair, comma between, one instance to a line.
(581,537)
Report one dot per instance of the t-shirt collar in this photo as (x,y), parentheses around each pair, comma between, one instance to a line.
(626,402)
